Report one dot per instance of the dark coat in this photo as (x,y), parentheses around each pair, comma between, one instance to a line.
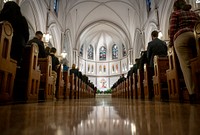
(11,13)
(156,47)
(42,52)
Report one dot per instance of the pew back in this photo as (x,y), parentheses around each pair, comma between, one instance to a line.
(7,65)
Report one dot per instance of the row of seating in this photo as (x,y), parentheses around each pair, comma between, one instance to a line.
(33,81)
(167,82)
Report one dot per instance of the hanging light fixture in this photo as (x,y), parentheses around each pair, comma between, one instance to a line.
(46,37)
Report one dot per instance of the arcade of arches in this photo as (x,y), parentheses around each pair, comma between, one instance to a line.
(102,37)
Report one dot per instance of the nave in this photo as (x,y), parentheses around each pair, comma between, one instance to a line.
(100,116)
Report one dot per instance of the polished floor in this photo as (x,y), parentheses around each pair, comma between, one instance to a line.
(100,116)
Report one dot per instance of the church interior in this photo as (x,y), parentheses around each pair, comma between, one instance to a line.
(99,41)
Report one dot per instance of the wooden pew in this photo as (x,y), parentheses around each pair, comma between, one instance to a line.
(140,86)
(195,62)
(72,86)
(135,90)
(46,80)
(59,84)
(130,84)
(161,64)
(147,82)
(28,76)
(126,88)
(7,65)
(176,85)
(66,85)
(77,88)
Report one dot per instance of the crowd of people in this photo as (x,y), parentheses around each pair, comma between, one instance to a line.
(181,34)
(181,24)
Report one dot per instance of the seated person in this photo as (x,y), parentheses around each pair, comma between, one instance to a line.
(55,65)
(38,40)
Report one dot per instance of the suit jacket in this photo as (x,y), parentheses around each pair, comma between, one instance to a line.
(156,47)
(42,52)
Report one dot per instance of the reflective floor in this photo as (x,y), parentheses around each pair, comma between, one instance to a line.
(100,116)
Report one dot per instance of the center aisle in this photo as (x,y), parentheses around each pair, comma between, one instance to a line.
(100,116)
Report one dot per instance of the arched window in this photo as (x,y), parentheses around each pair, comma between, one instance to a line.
(81,51)
(102,53)
(55,6)
(90,52)
(114,52)
(124,50)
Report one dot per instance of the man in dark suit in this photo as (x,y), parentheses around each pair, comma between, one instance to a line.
(38,40)
(155,47)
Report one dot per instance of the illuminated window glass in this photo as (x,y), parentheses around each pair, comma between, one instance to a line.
(114,52)
(55,7)
(90,52)
(124,50)
(81,51)
(102,53)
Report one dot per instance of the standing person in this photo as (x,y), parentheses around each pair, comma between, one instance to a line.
(181,25)
(155,47)
(38,40)
(55,65)
(11,12)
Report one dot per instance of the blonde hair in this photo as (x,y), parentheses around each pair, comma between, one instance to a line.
(73,66)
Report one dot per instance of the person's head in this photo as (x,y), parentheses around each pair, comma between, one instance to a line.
(39,35)
(73,66)
(53,50)
(47,49)
(11,10)
(154,34)
(181,5)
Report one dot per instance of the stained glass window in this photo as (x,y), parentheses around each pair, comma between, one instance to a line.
(124,50)
(55,6)
(148,2)
(114,52)
(81,51)
(90,52)
(102,53)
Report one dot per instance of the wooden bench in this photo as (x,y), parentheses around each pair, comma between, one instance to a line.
(130,84)
(66,85)
(161,64)
(72,86)
(135,91)
(28,76)
(126,88)
(147,82)
(59,84)
(176,85)
(46,80)
(195,62)
(140,86)
(7,65)
(77,87)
